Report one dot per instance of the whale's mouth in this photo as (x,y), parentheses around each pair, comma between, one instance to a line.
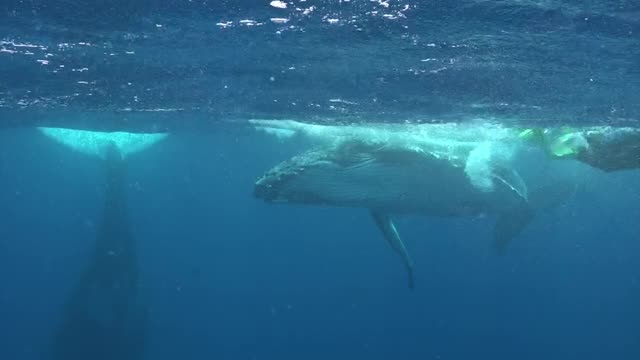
(273,185)
(278,185)
(285,182)
(267,189)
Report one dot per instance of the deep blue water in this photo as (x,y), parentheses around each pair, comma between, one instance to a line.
(229,277)
(232,278)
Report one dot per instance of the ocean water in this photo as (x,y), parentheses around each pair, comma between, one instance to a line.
(223,275)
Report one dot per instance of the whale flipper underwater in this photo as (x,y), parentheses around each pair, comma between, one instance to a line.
(388,228)
(401,175)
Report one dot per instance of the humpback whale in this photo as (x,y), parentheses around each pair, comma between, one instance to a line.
(104,316)
(426,170)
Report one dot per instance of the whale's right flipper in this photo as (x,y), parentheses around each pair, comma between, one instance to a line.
(513,220)
(385,224)
(509,225)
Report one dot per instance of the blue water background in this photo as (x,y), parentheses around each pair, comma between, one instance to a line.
(229,277)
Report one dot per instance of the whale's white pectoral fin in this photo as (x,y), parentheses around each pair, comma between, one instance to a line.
(385,224)
(512,180)
(514,219)
(509,225)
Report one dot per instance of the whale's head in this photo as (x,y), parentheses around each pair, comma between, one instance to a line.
(268,187)
(348,175)
(294,180)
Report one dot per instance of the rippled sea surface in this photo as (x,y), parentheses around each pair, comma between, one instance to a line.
(191,64)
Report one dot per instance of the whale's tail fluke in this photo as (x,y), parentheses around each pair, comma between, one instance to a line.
(105,316)
(96,143)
